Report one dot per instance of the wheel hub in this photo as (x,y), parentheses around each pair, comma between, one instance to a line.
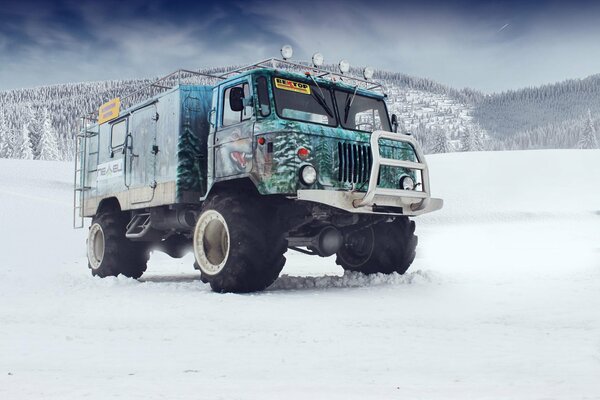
(96,246)
(211,242)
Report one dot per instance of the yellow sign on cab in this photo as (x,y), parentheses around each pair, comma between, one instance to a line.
(109,110)
(292,86)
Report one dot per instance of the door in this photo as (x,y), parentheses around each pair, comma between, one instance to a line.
(142,152)
(233,136)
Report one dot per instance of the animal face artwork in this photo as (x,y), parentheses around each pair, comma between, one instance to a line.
(234,155)
(240,160)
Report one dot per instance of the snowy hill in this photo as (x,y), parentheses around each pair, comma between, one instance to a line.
(501,302)
(551,116)
(504,114)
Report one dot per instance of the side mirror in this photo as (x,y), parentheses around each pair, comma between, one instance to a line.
(394,123)
(236,99)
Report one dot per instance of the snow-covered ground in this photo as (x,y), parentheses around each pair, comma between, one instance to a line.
(503,301)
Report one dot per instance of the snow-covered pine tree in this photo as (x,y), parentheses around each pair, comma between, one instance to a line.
(67,148)
(467,140)
(471,139)
(5,150)
(48,144)
(31,117)
(23,148)
(439,142)
(588,138)
(478,138)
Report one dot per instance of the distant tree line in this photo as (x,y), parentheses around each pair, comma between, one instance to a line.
(41,123)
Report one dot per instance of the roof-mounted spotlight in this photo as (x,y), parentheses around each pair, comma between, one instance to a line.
(287,52)
(344,66)
(317,59)
(368,73)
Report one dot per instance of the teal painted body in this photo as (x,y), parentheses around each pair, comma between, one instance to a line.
(177,147)
(274,164)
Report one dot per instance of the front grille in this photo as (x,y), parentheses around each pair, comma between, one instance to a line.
(354,162)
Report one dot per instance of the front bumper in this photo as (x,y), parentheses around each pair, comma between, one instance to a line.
(396,205)
(382,200)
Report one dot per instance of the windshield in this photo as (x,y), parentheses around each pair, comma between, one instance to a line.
(361,113)
(304,101)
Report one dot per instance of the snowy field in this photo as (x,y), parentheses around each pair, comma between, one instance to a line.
(502,302)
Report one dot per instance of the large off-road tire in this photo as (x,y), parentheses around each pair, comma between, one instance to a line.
(385,247)
(110,253)
(237,246)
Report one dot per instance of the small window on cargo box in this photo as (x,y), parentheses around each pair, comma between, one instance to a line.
(264,105)
(231,117)
(118,134)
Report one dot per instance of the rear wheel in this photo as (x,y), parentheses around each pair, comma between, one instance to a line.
(236,248)
(109,252)
(385,247)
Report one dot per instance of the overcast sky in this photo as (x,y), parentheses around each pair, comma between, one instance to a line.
(490,46)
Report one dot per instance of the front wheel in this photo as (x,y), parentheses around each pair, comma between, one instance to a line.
(236,248)
(385,247)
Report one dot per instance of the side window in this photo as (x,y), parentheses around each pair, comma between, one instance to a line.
(264,106)
(231,117)
(118,134)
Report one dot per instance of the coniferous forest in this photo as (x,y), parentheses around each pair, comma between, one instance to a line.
(41,123)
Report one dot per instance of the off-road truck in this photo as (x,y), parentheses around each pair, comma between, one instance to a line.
(273,156)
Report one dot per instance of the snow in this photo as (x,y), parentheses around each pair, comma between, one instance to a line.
(501,302)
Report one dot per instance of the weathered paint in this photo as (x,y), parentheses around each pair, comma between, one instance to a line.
(166,147)
(171,144)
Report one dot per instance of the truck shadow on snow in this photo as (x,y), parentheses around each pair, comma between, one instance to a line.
(350,279)
(171,278)
(288,283)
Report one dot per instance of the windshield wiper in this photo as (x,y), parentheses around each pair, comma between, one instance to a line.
(321,98)
(349,102)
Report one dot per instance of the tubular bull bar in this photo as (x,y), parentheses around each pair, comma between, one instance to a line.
(383,200)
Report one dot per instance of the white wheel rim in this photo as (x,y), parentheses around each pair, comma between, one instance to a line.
(211,242)
(96,246)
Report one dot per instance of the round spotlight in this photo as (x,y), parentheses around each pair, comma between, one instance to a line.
(308,175)
(287,52)
(344,66)
(407,183)
(368,73)
(317,59)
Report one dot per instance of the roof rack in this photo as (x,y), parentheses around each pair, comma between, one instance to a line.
(319,72)
(156,86)
(181,75)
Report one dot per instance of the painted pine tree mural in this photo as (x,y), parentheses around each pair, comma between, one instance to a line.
(324,157)
(285,156)
(189,176)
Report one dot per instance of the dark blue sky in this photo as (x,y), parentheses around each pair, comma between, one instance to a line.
(489,46)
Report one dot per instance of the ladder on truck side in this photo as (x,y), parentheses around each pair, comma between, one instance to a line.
(80,171)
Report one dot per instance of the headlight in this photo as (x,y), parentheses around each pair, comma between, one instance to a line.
(308,175)
(407,183)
